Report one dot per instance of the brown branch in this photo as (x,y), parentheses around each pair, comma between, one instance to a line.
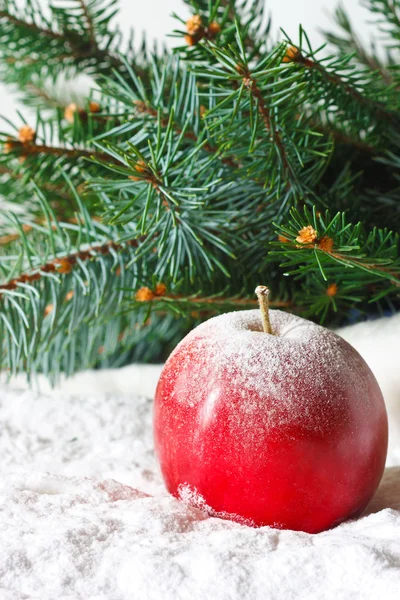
(369,266)
(65,264)
(50,187)
(214,301)
(41,93)
(379,108)
(322,246)
(265,115)
(342,138)
(77,51)
(234,301)
(56,151)
(89,23)
(12,237)
(32,26)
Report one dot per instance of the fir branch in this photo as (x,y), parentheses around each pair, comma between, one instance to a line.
(33,27)
(378,107)
(90,26)
(47,186)
(62,264)
(341,138)
(12,237)
(81,40)
(350,43)
(144,108)
(24,149)
(65,279)
(215,302)
(265,114)
(326,242)
(48,100)
(249,15)
(387,17)
(73,153)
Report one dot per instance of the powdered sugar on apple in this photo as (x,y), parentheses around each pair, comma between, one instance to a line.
(191,497)
(233,347)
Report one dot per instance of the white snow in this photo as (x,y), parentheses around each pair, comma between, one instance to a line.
(84,514)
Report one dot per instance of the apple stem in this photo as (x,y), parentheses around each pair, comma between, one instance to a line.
(262,293)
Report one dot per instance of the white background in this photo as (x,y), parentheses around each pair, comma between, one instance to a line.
(154,17)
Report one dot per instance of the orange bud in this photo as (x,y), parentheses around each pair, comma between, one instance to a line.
(140,167)
(144,294)
(190,40)
(63,265)
(213,29)
(291,54)
(161,289)
(140,105)
(70,110)
(307,235)
(331,290)
(283,239)
(325,244)
(94,107)
(194,25)
(26,134)
(48,309)
(9,144)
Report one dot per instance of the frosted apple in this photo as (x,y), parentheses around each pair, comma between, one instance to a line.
(287,429)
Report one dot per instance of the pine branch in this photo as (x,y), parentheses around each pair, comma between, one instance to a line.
(341,138)
(62,264)
(73,153)
(180,302)
(164,99)
(40,94)
(378,107)
(249,15)
(90,26)
(326,243)
(62,283)
(47,186)
(276,137)
(350,44)
(265,114)
(144,108)
(33,27)
(13,237)
(81,40)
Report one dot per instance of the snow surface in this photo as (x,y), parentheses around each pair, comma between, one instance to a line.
(84,514)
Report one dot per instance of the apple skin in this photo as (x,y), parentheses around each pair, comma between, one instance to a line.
(288,430)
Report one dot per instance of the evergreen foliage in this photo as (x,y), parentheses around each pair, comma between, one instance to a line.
(186,178)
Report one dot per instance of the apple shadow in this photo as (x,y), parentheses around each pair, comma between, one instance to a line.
(387,494)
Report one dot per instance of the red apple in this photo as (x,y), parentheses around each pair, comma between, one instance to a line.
(286,429)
